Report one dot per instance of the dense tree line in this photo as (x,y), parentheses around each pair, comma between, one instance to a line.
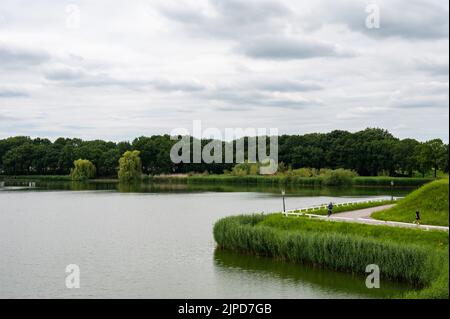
(369,152)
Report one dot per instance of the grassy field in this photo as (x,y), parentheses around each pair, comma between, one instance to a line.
(431,200)
(411,255)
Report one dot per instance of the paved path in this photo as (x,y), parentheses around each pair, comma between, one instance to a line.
(362,213)
(362,216)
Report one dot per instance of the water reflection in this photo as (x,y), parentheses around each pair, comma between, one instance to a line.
(148,187)
(323,282)
(155,240)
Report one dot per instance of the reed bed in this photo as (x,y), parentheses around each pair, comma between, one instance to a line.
(386,181)
(402,254)
(306,181)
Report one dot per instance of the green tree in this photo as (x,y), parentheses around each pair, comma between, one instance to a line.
(369,152)
(109,160)
(433,154)
(18,160)
(155,154)
(405,157)
(130,166)
(83,169)
(438,154)
(445,160)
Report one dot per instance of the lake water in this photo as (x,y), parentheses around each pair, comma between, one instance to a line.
(155,242)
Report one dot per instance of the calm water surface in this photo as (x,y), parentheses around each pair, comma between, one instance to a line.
(154,242)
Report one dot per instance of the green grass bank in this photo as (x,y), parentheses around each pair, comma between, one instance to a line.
(306,181)
(43,178)
(414,256)
(431,200)
(251,180)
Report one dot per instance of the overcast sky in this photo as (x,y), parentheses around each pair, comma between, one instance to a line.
(134,67)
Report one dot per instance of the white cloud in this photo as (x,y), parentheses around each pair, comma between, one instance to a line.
(134,68)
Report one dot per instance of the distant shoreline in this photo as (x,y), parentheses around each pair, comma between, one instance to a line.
(360,181)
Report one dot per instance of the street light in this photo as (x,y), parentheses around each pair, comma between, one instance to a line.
(283,192)
(392,191)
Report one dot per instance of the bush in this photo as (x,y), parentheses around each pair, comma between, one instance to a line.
(303,172)
(82,170)
(338,177)
(245,169)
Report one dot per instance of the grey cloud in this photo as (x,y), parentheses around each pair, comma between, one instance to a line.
(244,22)
(240,19)
(286,86)
(81,78)
(65,74)
(283,48)
(421,95)
(7,118)
(422,102)
(272,84)
(129,54)
(12,57)
(249,11)
(248,99)
(413,19)
(231,18)
(165,85)
(433,67)
(7,93)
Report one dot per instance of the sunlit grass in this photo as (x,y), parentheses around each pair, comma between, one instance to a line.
(411,255)
(431,200)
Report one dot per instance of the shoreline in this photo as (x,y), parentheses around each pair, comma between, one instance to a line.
(292,181)
(404,253)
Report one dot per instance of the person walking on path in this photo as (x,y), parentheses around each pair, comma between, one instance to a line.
(417,217)
(330,209)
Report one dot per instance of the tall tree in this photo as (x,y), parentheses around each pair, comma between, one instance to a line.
(130,166)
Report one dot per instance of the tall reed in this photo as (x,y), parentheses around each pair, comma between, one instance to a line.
(349,252)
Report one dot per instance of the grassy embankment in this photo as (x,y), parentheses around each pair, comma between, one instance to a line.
(431,200)
(410,255)
(415,256)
